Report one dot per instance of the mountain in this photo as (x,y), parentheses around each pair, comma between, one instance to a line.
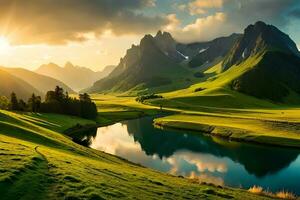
(261,68)
(277,72)
(39,82)
(168,46)
(263,62)
(11,83)
(201,53)
(257,39)
(74,76)
(154,63)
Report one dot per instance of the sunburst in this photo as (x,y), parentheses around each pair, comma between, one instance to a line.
(4,44)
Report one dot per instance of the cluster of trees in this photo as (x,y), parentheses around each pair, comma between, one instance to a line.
(33,104)
(142,98)
(56,101)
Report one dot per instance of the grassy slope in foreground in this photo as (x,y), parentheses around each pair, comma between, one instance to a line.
(39,162)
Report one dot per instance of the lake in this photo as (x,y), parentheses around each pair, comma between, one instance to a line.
(195,155)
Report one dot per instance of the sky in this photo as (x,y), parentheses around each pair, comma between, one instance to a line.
(97,33)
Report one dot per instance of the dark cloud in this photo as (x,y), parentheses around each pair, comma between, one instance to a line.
(237,15)
(295,13)
(60,21)
(241,12)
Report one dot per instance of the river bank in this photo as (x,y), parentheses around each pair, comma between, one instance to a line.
(270,132)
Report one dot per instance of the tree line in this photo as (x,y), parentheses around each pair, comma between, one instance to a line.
(56,101)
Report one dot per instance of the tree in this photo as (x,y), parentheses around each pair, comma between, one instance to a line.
(58,102)
(56,95)
(4,103)
(85,97)
(34,103)
(50,96)
(38,103)
(59,93)
(14,104)
(22,105)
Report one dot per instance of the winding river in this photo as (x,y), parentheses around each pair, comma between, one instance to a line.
(194,155)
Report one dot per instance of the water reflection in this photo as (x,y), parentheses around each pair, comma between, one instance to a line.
(258,160)
(209,159)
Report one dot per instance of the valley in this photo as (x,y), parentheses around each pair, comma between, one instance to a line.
(216,119)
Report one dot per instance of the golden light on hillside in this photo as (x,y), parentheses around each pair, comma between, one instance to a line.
(4,44)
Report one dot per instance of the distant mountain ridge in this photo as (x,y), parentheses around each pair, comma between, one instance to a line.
(11,83)
(206,52)
(263,62)
(74,76)
(40,82)
(155,62)
(25,82)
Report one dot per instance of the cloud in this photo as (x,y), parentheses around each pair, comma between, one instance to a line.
(242,12)
(201,162)
(202,29)
(60,21)
(295,13)
(229,16)
(201,6)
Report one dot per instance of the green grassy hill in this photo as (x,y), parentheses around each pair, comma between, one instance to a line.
(37,161)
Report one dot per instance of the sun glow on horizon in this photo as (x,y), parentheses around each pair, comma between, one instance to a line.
(4,44)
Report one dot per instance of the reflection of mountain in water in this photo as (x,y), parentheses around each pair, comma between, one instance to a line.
(256,159)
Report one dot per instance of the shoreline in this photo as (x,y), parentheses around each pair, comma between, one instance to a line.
(228,133)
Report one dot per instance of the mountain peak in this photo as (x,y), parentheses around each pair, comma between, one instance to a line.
(159,33)
(260,24)
(49,65)
(69,65)
(259,38)
(146,41)
(164,36)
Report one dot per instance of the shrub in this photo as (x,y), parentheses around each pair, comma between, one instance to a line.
(147,97)
(199,89)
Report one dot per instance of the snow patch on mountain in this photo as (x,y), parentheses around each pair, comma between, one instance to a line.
(186,57)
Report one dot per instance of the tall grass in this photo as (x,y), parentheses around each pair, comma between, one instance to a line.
(256,189)
(281,194)
(285,195)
